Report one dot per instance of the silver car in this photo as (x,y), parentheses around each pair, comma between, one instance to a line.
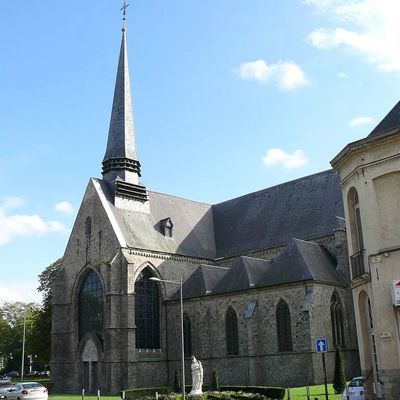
(27,391)
(355,389)
(5,385)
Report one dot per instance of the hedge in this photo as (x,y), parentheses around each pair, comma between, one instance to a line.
(134,394)
(276,393)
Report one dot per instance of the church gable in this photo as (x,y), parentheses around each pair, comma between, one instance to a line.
(94,238)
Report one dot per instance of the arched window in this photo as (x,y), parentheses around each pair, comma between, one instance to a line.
(187,334)
(357,217)
(283,327)
(337,321)
(231,332)
(90,305)
(147,312)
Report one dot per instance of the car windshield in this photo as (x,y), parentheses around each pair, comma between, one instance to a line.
(31,385)
(356,383)
(5,384)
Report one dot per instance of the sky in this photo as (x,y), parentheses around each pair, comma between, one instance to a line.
(229,97)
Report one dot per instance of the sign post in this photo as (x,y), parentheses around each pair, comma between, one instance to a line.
(321,346)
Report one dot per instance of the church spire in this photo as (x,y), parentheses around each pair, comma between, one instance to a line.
(121,167)
(120,159)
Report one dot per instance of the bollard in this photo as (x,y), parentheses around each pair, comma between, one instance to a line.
(98,395)
(83,394)
(156,395)
(308,392)
(347,393)
(288,393)
(123,395)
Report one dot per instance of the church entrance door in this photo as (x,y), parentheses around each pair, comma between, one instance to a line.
(90,367)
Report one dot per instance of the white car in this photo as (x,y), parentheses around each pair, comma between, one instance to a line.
(5,386)
(27,391)
(356,389)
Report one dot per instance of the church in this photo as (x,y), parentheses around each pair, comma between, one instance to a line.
(264,276)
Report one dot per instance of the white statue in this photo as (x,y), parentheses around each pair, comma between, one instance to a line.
(197,377)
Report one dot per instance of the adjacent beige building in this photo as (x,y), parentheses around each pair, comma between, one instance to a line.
(370,179)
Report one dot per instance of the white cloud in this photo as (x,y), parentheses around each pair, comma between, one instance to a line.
(64,207)
(15,225)
(287,75)
(24,291)
(358,121)
(276,156)
(372,29)
(342,75)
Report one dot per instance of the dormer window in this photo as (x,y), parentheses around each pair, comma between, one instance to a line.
(166,227)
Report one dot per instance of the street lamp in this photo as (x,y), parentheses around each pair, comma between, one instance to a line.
(182,335)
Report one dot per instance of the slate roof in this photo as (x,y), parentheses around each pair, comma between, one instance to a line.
(302,261)
(304,208)
(244,274)
(201,282)
(193,231)
(391,121)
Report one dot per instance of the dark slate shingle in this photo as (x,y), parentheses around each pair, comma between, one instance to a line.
(244,274)
(305,208)
(302,261)
(201,282)
(391,121)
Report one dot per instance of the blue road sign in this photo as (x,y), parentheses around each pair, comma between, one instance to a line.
(321,345)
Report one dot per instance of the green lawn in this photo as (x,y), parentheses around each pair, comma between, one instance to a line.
(73,397)
(315,392)
(296,394)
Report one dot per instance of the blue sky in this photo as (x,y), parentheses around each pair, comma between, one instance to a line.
(230,97)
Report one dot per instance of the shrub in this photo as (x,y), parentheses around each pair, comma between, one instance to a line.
(141,394)
(275,393)
(215,380)
(339,380)
(177,382)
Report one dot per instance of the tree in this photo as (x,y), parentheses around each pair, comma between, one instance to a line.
(11,332)
(339,379)
(41,340)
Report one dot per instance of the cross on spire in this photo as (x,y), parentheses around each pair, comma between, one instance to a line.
(124,7)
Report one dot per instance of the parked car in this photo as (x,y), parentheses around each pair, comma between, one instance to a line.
(356,389)
(12,374)
(27,391)
(5,385)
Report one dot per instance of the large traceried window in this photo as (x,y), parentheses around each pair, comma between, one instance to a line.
(147,312)
(283,327)
(187,334)
(231,332)
(337,321)
(90,306)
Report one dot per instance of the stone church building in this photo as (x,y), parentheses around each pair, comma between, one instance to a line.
(264,275)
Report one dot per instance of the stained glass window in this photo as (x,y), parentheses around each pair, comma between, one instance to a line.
(231,332)
(187,334)
(90,305)
(147,312)
(283,327)
(337,321)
